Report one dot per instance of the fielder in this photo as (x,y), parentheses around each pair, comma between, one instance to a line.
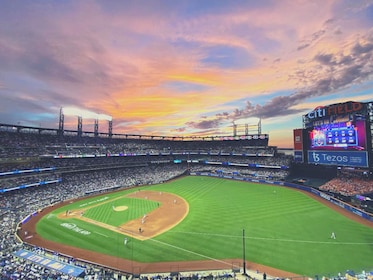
(333,235)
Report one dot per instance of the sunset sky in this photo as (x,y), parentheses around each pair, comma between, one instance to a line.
(181,68)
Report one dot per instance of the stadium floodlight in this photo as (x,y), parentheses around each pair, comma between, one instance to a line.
(85,114)
(251,120)
(105,117)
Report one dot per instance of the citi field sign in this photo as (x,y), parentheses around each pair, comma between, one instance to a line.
(335,109)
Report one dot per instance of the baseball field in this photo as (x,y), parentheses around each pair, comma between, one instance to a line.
(212,219)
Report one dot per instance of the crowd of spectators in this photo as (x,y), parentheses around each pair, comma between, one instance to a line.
(31,151)
(201,275)
(61,163)
(265,174)
(15,144)
(348,186)
(122,175)
(350,182)
(13,181)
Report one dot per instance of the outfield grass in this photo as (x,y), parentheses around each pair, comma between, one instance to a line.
(283,228)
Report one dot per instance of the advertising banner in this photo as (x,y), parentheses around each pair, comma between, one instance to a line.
(50,263)
(348,158)
(298,156)
(298,139)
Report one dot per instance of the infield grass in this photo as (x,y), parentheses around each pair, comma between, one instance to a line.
(283,228)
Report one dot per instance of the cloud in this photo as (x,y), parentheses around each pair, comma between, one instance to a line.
(192,72)
(311,41)
(23,107)
(204,124)
(342,71)
(324,58)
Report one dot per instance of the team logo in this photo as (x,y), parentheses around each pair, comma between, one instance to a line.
(315,156)
(75,228)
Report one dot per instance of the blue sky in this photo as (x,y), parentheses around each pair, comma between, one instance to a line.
(186,68)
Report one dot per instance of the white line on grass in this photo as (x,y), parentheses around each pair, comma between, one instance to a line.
(311,241)
(276,239)
(188,251)
(101,234)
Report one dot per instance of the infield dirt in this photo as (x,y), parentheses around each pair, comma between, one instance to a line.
(171,210)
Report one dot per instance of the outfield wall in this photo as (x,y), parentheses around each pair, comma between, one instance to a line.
(316,192)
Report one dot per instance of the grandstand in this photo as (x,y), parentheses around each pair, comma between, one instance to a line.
(39,167)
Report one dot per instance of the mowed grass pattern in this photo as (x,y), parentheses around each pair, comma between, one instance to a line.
(284,228)
(105,213)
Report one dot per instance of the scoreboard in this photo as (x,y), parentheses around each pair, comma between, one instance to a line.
(348,135)
(337,134)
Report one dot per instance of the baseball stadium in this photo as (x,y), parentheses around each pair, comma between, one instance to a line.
(78,204)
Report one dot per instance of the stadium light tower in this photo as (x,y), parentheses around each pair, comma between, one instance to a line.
(80,126)
(251,123)
(110,128)
(260,126)
(61,123)
(87,114)
(96,128)
(110,123)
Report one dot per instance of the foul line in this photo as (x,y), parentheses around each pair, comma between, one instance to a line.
(276,239)
(101,234)
(191,252)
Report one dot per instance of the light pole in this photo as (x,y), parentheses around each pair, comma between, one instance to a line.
(244,252)
(132,244)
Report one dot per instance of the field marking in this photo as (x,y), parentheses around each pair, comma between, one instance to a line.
(101,234)
(188,251)
(336,242)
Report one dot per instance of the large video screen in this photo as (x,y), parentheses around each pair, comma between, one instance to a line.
(338,136)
